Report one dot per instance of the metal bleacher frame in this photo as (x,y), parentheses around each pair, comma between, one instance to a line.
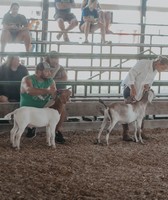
(85,103)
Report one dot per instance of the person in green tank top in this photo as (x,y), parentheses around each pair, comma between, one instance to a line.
(36,91)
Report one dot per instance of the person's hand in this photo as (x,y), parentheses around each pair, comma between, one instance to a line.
(146,87)
(132,91)
(51,91)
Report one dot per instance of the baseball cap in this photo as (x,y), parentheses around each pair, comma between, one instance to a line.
(52,54)
(42,66)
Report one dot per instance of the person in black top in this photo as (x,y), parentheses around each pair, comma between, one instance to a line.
(15,28)
(11,70)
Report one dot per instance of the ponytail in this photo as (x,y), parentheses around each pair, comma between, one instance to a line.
(13,4)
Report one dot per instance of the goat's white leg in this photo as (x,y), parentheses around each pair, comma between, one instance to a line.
(135,132)
(18,136)
(48,134)
(110,128)
(101,129)
(52,137)
(13,134)
(139,123)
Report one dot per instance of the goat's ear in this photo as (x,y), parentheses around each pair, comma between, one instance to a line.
(150,96)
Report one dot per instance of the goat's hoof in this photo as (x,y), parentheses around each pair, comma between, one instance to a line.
(54,147)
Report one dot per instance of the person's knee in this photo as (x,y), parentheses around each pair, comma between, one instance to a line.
(60,21)
(74,22)
(3,98)
(101,26)
(6,35)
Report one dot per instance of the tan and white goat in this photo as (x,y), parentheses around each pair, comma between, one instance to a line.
(125,114)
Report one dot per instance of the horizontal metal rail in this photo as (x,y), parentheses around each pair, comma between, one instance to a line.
(91,83)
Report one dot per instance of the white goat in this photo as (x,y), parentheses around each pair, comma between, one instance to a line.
(36,117)
(125,114)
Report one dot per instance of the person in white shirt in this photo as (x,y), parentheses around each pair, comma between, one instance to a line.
(140,79)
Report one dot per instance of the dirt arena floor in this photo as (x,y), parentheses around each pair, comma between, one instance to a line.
(80,170)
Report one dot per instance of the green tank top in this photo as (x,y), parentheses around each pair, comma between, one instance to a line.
(36,101)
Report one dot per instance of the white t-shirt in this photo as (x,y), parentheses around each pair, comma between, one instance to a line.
(139,75)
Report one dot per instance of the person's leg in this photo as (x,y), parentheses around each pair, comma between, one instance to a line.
(107,22)
(86,29)
(31,132)
(61,25)
(102,29)
(58,136)
(25,37)
(126,137)
(72,24)
(6,37)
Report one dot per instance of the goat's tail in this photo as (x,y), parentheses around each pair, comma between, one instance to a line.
(8,116)
(102,102)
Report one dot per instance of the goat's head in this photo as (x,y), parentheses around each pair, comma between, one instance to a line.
(149,94)
(64,95)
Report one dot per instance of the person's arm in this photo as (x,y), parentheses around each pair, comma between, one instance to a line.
(133,73)
(27,87)
(83,4)
(24,23)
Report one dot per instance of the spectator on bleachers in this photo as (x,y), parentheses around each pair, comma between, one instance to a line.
(104,16)
(90,21)
(58,73)
(11,70)
(63,14)
(37,90)
(15,28)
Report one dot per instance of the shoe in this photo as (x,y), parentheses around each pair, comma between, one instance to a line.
(127,138)
(144,136)
(59,138)
(31,133)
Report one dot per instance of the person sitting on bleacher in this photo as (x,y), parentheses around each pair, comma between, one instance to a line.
(105,16)
(15,28)
(90,21)
(37,91)
(58,73)
(11,70)
(63,14)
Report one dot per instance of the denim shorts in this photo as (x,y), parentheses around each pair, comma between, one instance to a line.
(126,92)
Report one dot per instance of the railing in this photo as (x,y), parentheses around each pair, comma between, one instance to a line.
(83,90)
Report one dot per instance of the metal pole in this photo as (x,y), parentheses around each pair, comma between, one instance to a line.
(143,21)
(45,8)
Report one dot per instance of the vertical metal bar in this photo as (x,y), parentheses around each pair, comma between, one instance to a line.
(143,21)
(45,8)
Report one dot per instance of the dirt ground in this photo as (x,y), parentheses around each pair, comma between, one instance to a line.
(80,170)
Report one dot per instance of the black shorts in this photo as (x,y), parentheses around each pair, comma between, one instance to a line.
(67,17)
(14,34)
